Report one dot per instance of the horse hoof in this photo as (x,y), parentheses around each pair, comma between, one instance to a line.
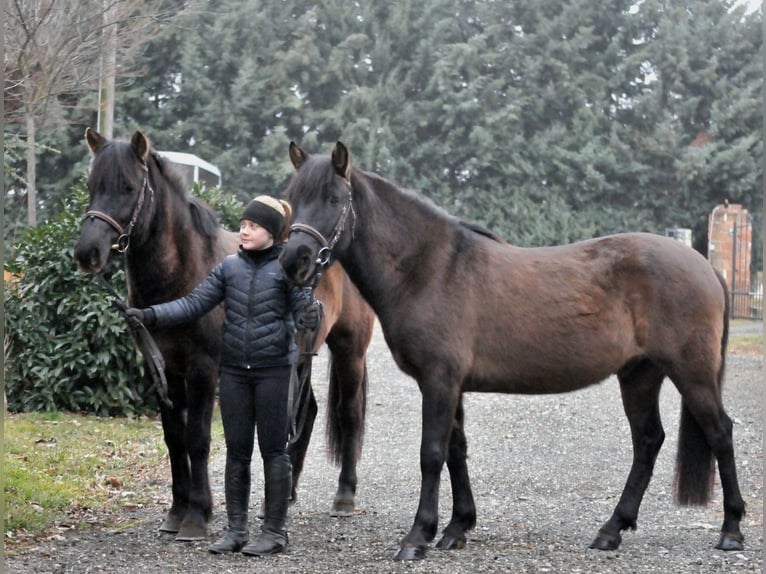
(730,541)
(606,542)
(171,524)
(410,553)
(451,542)
(189,533)
(342,508)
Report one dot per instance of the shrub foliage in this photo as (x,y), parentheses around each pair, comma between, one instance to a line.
(67,347)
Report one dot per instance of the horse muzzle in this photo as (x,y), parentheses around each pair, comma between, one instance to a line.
(94,247)
(300,263)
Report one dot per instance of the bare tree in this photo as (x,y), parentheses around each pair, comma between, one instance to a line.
(58,50)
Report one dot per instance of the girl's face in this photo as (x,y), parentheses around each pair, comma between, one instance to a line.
(253,236)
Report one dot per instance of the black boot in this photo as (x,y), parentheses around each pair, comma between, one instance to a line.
(237,487)
(278,483)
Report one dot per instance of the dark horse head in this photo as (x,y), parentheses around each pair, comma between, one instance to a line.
(121,199)
(325,200)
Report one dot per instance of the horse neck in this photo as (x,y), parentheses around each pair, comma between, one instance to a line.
(153,261)
(397,240)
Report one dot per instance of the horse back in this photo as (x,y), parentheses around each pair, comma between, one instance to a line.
(558,318)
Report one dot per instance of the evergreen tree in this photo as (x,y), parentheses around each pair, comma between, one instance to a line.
(546,121)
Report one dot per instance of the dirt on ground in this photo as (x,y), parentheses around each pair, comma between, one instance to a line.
(546,473)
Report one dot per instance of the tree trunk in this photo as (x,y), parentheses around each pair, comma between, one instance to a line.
(108,71)
(31,171)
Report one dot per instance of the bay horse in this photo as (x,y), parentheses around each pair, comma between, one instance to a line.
(171,241)
(462,310)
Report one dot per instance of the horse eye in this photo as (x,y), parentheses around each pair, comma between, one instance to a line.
(334,200)
(129,188)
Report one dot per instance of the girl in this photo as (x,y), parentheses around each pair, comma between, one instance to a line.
(258,350)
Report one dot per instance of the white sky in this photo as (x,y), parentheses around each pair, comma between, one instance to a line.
(752,5)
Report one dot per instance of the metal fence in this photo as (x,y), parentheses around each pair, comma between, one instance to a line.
(747,304)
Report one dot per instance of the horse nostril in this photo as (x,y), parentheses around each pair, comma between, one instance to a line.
(303,255)
(297,263)
(88,260)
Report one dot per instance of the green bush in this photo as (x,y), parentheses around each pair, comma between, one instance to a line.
(228,207)
(68,348)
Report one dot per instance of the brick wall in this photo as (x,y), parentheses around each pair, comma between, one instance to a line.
(723,222)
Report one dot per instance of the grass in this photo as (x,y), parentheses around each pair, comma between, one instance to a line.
(751,345)
(63,469)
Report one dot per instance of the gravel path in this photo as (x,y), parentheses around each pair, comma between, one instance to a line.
(546,473)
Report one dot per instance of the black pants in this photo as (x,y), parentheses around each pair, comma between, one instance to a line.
(250,400)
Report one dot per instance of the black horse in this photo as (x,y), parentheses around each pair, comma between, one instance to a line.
(171,241)
(464,311)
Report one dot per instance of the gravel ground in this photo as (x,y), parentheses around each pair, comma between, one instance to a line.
(546,473)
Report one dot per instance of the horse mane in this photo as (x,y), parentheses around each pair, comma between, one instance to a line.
(204,219)
(430,206)
(476,228)
(318,173)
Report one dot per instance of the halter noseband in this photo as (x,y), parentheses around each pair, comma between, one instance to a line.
(324,255)
(123,239)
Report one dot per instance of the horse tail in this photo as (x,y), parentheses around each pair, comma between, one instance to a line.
(725,337)
(695,463)
(335,429)
(204,219)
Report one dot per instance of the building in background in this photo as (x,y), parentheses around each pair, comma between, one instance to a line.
(730,247)
(682,234)
(194,169)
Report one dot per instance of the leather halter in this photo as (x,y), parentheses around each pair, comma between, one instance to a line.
(123,240)
(324,255)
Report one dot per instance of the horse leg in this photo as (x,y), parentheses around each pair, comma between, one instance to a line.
(463,506)
(201,397)
(706,432)
(174,433)
(733,505)
(438,416)
(640,387)
(345,422)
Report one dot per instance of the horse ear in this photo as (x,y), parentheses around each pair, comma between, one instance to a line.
(140,145)
(297,155)
(95,140)
(341,160)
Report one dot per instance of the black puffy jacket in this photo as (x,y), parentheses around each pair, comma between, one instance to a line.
(261,308)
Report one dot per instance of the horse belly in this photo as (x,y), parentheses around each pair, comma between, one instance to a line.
(540,383)
(550,364)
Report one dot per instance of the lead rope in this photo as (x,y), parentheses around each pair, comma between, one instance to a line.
(297,393)
(152,356)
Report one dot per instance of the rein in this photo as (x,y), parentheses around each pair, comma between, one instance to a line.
(297,410)
(145,343)
(143,340)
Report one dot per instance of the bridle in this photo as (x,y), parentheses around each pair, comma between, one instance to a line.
(123,240)
(325,255)
(297,409)
(153,359)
